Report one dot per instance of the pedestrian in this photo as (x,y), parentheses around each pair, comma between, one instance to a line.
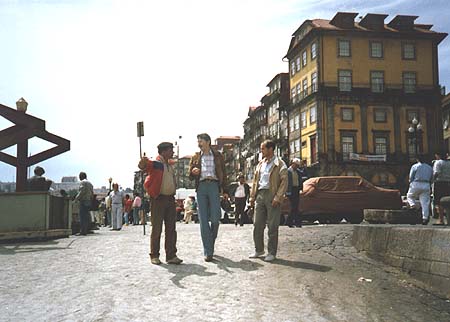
(268,189)
(38,182)
(188,204)
(102,212)
(94,211)
(293,191)
(241,195)
(160,184)
(441,183)
(128,207)
(207,168)
(420,177)
(117,202)
(137,203)
(84,197)
(227,208)
(108,204)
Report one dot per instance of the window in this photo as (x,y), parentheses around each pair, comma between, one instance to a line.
(292,146)
(296,122)
(347,114)
(291,124)
(408,51)
(409,82)
(293,93)
(314,82)
(313,50)
(347,146)
(381,145)
(299,89)
(380,115)
(376,49)
(305,87)
(303,121)
(304,57)
(292,68)
(297,62)
(344,48)
(313,148)
(312,114)
(377,81)
(345,80)
(297,145)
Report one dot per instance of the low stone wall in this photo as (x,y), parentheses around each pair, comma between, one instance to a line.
(421,251)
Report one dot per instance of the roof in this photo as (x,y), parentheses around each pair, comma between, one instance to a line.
(279,75)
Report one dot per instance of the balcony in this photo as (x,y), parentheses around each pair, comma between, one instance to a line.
(377,89)
(304,94)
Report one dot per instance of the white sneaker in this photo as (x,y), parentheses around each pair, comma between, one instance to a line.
(256,254)
(269,258)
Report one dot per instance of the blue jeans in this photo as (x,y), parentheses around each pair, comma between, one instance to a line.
(136,216)
(208,200)
(125,218)
(85,205)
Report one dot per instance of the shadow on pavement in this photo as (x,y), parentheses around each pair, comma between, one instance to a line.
(184,270)
(12,249)
(303,265)
(244,264)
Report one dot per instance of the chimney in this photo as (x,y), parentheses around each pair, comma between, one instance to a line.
(373,21)
(344,20)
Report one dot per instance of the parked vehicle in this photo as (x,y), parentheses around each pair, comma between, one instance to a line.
(330,199)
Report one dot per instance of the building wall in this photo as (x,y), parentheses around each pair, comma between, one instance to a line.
(392,63)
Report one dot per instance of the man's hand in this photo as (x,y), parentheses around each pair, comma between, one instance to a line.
(143,163)
(252,203)
(195,171)
(275,203)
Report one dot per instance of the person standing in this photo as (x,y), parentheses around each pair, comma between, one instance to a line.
(207,168)
(84,196)
(160,184)
(293,190)
(420,177)
(441,183)
(137,203)
(108,204)
(268,189)
(241,195)
(128,206)
(117,202)
(188,205)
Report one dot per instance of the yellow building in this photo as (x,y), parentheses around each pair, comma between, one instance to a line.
(356,88)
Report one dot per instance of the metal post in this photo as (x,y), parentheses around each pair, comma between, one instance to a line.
(21,170)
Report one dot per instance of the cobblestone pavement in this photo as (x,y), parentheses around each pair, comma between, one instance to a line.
(107,276)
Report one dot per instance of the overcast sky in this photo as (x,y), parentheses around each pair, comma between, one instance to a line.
(94,68)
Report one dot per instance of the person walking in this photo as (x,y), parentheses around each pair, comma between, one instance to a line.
(441,183)
(117,202)
(84,196)
(241,196)
(292,192)
(268,189)
(207,168)
(137,203)
(420,177)
(160,184)
(108,205)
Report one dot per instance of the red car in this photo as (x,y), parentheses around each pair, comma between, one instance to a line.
(330,199)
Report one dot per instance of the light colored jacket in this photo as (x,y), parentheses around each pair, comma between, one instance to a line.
(278,181)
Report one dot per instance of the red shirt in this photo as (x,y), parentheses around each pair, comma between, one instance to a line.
(128,205)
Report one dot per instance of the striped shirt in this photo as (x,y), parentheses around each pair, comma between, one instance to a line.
(208,166)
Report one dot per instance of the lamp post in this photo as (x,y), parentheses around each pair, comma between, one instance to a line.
(110,181)
(179,176)
(22,153)
(415,129)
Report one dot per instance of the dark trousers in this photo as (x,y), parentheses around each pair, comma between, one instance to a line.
(163,210)
(294,218)
(240,207)
(84,216)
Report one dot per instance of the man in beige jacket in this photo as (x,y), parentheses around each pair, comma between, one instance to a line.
(268,191)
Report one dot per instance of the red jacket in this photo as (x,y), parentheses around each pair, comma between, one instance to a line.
(153,181)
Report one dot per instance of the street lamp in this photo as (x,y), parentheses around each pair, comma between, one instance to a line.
(415,129)
(110,181)
(22,105)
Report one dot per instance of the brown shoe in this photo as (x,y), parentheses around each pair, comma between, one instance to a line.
(175,260)
(155,261)
(208,258)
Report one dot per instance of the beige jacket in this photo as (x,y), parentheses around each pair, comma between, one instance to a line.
(278,181)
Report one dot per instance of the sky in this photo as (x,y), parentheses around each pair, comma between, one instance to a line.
(92,69)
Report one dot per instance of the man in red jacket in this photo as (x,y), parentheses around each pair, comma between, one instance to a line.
(160,184)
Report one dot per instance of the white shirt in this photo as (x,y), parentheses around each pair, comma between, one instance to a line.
(116,197)
(264,178)
(240,191)
(442,168)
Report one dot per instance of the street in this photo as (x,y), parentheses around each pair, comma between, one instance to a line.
(107,276)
